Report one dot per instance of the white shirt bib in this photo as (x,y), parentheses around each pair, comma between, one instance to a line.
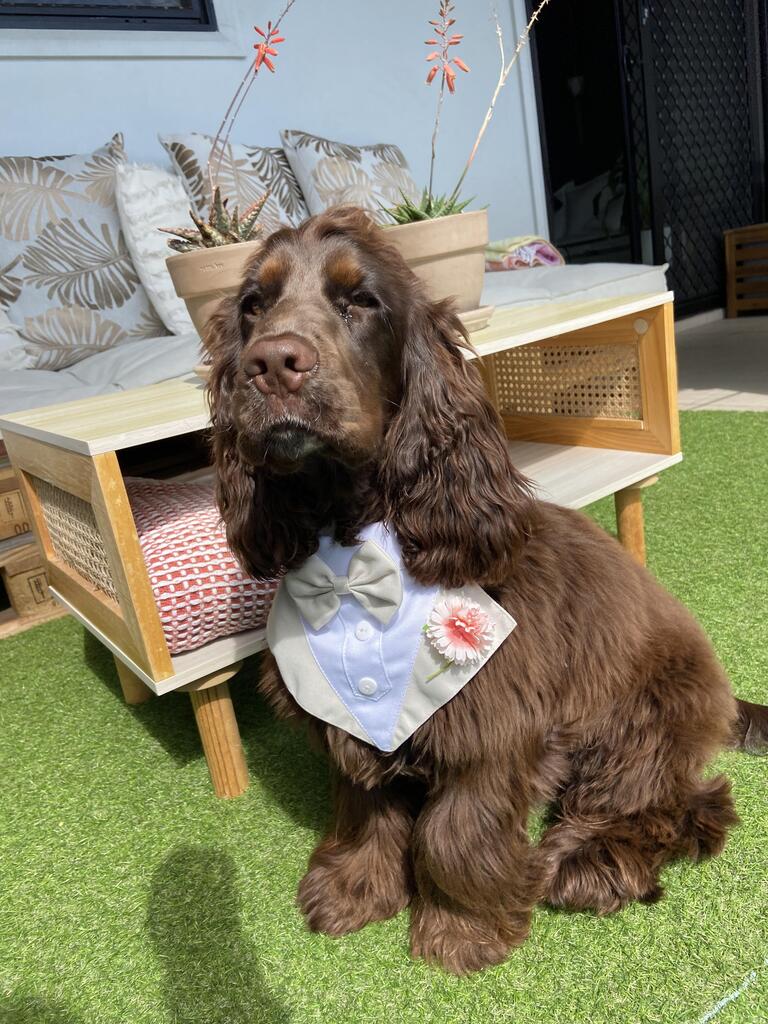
(353,641)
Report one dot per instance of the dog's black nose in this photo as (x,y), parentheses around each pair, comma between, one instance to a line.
(280,365)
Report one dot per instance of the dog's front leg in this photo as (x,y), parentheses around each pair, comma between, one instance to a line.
(475,871)
(361,870)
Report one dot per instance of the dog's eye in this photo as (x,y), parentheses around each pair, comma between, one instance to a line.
(342,308)
(363,298)
(360,299)
(252,304)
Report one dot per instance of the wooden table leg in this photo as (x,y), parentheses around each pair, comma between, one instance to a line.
(219,733)
(629,518)
(134,690)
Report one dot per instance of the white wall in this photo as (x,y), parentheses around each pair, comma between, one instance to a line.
(346,70)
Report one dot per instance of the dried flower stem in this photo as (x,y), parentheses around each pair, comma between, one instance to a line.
(503,76)
(223,132)
(215,149)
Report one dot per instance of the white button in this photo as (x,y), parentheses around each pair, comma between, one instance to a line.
(367,686)
(363,631)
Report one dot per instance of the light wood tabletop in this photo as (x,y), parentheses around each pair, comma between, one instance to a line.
(109,423)
(512,326)
(123,419)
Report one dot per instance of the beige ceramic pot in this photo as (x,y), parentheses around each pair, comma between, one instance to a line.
(204,276)
(448,254)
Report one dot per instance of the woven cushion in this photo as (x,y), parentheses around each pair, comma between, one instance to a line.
(201,592)
(336,173)
(67,280)
(245,174)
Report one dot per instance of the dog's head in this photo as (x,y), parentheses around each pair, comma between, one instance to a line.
(339,392)
(312,345)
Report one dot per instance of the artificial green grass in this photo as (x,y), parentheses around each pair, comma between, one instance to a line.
(130,895)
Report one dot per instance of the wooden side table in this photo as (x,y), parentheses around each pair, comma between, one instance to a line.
(587,392)
(600,374)
(66,457)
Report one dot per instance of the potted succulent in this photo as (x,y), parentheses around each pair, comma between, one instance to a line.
(443,243)
(210,258)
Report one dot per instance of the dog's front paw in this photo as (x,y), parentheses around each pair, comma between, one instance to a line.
(338,894)
(462,942)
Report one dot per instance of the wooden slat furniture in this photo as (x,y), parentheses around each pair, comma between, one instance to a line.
(596,374)
(82,519)
(746,269)
(589,407)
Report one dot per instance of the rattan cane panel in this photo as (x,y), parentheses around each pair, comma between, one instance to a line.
(594,381)
(75,535)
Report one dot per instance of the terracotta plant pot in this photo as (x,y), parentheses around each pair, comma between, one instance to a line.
(448,254)
(203,277)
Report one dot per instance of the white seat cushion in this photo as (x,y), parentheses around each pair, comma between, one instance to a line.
(132,365)
(571,283)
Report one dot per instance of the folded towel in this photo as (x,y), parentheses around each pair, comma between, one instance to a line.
(523,251)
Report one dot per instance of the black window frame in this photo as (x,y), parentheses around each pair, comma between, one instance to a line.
(129,15)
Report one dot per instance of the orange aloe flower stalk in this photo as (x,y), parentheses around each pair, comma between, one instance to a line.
(442,61)
(265,51)
(266,48)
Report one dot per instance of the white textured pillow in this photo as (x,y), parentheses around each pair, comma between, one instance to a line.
(148,198)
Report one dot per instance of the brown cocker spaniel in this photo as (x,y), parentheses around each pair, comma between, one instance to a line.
(341,397)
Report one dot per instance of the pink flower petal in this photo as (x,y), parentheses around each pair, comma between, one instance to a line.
(460,630)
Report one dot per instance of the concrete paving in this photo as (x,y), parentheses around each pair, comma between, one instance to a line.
(724,365)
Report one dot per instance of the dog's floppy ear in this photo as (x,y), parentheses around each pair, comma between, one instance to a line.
(235,485)
(460,508)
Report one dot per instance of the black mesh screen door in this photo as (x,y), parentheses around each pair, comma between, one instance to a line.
(693,78)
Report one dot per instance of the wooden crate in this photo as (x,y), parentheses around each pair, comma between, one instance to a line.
(14,518)
(746,269)
(25,581)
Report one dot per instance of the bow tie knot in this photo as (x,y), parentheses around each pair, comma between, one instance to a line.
(340,585)
(373,579)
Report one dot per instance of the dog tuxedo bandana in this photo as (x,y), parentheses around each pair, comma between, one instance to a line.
(364,647)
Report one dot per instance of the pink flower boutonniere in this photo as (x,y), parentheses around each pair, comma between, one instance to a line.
(460,631)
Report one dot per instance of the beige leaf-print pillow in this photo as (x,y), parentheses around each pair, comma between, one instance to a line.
(332,173)
(336,181)
(67,281)
(243,172)
(78,265)
(391,182)
(32,194)
(59,333)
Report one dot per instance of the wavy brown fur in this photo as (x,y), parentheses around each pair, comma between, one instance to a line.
(606,703)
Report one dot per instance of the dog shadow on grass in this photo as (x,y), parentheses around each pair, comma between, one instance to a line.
(212,970)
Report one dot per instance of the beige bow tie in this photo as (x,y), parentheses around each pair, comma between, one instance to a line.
(373,579)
